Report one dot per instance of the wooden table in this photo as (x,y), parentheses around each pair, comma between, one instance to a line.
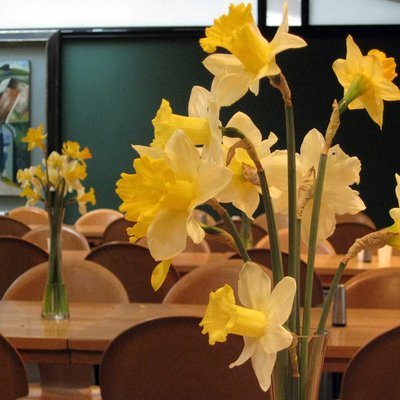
(83,338)
(325,265)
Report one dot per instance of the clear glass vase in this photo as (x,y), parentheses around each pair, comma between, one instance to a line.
(55,301)
(297,372)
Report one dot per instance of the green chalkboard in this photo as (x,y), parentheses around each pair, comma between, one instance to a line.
(112,87)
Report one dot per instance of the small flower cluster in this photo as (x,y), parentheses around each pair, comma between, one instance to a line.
(59,176)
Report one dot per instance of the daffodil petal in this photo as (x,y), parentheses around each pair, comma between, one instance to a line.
(159,274)
(281,299)
(263,364)
(254,287)
(250,345)
(166,236)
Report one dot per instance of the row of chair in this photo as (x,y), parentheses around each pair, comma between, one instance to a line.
(190,368)
(348,227)
(133,265)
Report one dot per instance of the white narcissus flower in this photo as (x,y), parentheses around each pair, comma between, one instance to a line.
(260,320)
(252,56)
(241,192)
(163,192)
(337,197)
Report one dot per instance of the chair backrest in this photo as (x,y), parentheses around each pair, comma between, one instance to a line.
(281,221)
(170,358)
(100,216)
(133,265)
(263,257)
(379,288)
(13,378)
(195,286)
(358,217)
(86,281)
(323,247)
(17,256)
(373,372)
(71,239)
(115,231)
(257,232)
(346,233)
(12,227)
(30,215)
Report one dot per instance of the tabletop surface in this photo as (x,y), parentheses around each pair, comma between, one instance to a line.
(92,326)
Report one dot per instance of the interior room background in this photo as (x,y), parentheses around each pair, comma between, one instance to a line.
(111,85)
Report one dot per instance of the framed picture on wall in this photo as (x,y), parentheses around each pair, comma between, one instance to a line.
(27,98)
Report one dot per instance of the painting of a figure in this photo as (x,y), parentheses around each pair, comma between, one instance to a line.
(14,117)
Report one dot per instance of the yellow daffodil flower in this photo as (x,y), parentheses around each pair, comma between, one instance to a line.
(367,80)
(166,123)
(242,192)
(342,171)
(259,320)
(73,150)
(162,194)
(252,56)
(84,198)
(35,138)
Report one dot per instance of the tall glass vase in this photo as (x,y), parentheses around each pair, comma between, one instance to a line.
(55,301)
(297,372)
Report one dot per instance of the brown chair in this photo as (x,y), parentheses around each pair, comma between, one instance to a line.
(281,221)
(257,232)
(359,217)
(12,227)
(85,281)
(13,378)
(71,239)
(195,287)
(133,265)
(373,372)
(100,216)
(378,288)
(17,256)
(346,233)
(115,231)
(323,247)
(30,215)
(263,257)
(169,358)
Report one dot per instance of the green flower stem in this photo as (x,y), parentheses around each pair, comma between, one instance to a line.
(276,256)
(294,225)
(312,245)
(310,268)
(236,236)
(329,298)
(294,319)
(223,213)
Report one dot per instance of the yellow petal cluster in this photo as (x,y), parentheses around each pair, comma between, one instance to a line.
(35,138)
(58,176)
(367,80)
(166,123)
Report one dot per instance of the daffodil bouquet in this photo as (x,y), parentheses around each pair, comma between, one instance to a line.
(197,159)
(57,182)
